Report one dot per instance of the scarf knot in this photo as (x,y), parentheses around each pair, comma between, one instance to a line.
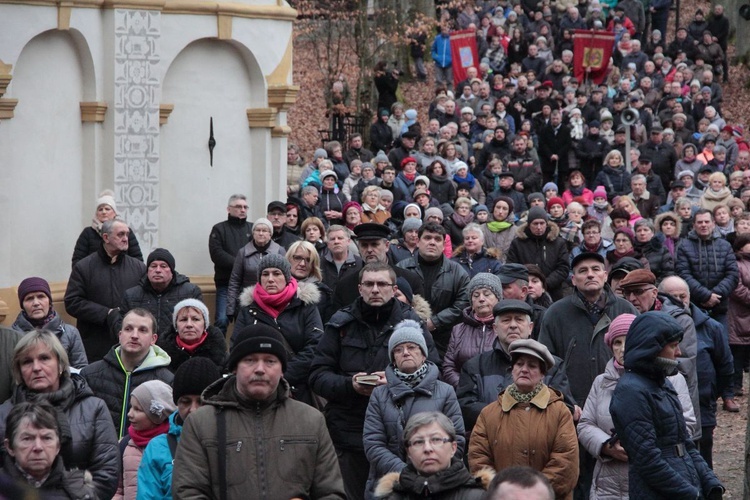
(274,304)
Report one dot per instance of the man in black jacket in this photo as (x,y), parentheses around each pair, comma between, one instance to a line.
(355,344)
(225,241)
(554,145)
(158,292)
(96,287)
(276,213)
(445,283)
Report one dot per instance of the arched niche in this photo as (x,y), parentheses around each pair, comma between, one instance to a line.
(208,78)
(41,150)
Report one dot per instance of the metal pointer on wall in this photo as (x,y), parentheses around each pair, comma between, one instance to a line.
(211,142)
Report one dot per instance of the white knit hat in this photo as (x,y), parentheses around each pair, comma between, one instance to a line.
(107,197)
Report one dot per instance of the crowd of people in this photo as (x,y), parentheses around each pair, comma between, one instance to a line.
(500,297)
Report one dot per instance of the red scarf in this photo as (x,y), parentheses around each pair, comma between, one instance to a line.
(190,348)
(411,176)
(142,438)
(276,303)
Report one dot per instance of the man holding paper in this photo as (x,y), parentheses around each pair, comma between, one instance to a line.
(350,362)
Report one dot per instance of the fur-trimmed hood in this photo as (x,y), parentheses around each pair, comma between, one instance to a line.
(421,307)
(387,483)
(308,293)
(668,215)
(553,231)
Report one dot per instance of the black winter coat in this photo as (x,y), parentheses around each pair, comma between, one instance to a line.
(225,241)
(486,261)
(90,241)
(708,266)
(93,441)
(615,181)
(354,343)
(551,143)
(95,286)
(590,152)
(549,252)
(301,326)
(161,305)
(213,348)
(109,381)
(442,189)
(660,261)
(61,484)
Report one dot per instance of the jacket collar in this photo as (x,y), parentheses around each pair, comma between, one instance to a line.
(541,400)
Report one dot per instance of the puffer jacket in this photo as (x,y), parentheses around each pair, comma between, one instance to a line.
(610,481)
(155,470)
(213,348)
(301,326)
(67,335)
(579,342)
(485,376)
(61,484)
(454,483)
(468,339)
(441,188)
(131,460)
(615,181)
(539,434)
(708,266)
(353,343)
(648,420)
(275,449)
(109,381)
(502,239)
(93,441)
(739,304)
(549,252)
(95,286)
(660,261)
(390,408)
(486,261)
(245,272)
(448,297)
(160,304)
(715,365)
(90,241)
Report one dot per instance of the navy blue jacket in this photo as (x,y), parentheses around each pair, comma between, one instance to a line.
(663,461)
(715,364)
(708,266)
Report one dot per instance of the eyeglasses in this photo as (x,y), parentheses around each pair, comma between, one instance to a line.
(239,207)
(373,284)
(405,348)
(299,258)
(434,442)
(637,292)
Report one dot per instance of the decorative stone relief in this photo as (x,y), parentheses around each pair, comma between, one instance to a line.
(136,105)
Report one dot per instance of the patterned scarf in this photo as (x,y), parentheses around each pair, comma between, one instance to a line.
(39,323)
(524,397)
(411,379)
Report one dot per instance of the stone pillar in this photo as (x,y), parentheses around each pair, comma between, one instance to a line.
(137,93)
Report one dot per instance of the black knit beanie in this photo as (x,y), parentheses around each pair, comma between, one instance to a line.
(193,376)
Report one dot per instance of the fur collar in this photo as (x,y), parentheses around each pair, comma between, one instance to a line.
(386,484)
(421,307)
(490,252)
(308,293)
(552,233)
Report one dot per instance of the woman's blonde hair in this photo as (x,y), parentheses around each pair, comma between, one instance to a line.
(313,254)
(31,340)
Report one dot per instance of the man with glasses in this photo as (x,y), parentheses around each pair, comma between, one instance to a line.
(373,244)
(226,239)
(639,288)
(276,213)
(355,345)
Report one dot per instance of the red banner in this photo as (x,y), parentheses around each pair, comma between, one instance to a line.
(592,50)
(463,54)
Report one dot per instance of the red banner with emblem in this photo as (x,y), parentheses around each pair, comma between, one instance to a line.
(463,55)
(592,50)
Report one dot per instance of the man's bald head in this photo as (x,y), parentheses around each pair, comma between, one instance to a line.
(677,288)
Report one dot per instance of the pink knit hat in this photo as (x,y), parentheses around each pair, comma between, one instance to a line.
(618,327)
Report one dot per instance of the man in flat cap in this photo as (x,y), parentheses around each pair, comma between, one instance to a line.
(515,280)
(483,377)
(252,437)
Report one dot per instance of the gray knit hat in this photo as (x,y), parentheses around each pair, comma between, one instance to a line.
(407,331)
(536,213)
(264,222)
(434,211)
(194,303)
(155,398)
(276,261)
(489,281)
(380,158)
(411,224)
